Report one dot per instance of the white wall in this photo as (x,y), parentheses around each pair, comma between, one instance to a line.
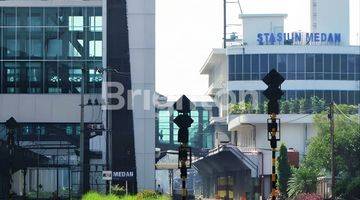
(141,19)
(292,135)
(47,108)
(331,16)
(257,23)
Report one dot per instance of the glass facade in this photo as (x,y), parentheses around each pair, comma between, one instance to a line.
(200,135)
(43,49)
(295,66)
(44,129)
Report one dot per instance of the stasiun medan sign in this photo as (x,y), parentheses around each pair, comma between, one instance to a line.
(298,38)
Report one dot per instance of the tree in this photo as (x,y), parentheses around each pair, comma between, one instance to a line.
(284,171)
(303,180)
(347,149)
(347,144)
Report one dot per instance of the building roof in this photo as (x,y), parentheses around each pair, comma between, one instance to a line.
(216,56)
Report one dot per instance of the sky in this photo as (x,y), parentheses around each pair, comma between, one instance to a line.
(187,31)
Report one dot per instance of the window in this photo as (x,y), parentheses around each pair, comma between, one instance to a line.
(12,73)
(34,72)
(300,66)
(231,66)
(9,16)
(264,65)
(45,45)
(238,67)
(319,72)
(96,23)
(255,67)
(95,48)
(291,67)
(76,23)
(357,67)
(327,66)
(164,126)
(344,67)
(310,59)
(51,17)
(246,68)
(75,75)
(351,67)
(272,61)
(95,76)
(36,16)
(336,67)
(53,44)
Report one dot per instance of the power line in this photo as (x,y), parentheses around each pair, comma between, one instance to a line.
(346,116)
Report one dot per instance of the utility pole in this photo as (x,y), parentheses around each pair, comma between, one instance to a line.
(332,143)
(84,141)
(274,80)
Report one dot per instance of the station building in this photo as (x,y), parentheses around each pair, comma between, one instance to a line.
(44,47)
(317,67)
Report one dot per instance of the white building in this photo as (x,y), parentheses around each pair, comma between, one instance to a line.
(313,64)
(44,45)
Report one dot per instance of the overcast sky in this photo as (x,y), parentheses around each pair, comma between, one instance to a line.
(187,30)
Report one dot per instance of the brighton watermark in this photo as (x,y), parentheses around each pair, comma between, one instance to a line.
(115,97)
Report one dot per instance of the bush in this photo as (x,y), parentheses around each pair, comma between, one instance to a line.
(294,106)
(303,180)
(118,190)
(92,196)
(302,106)
(353,189)
(317,104)
(307,196)
(147,194)
(284,172)
(284,106)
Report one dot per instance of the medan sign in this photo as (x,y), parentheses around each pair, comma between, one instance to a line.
(298,38)
(123,175)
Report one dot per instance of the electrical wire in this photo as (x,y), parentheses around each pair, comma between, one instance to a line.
(346,116)
(299,118)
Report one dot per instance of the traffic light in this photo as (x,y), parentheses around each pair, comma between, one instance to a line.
(273,93)
(183,121)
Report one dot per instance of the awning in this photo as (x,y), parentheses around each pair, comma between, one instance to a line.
(228,158)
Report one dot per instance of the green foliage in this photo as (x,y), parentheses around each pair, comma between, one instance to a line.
(92,196)
(317,104)
(284,172)
(145,195)
(118,190)
(266,106)
(241,108)
(347,149)
(348,188)
(294,106)
(302,106)
(348,109)
(353,189)
(303,180)
(347,144)
(284,106)
(151,195)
